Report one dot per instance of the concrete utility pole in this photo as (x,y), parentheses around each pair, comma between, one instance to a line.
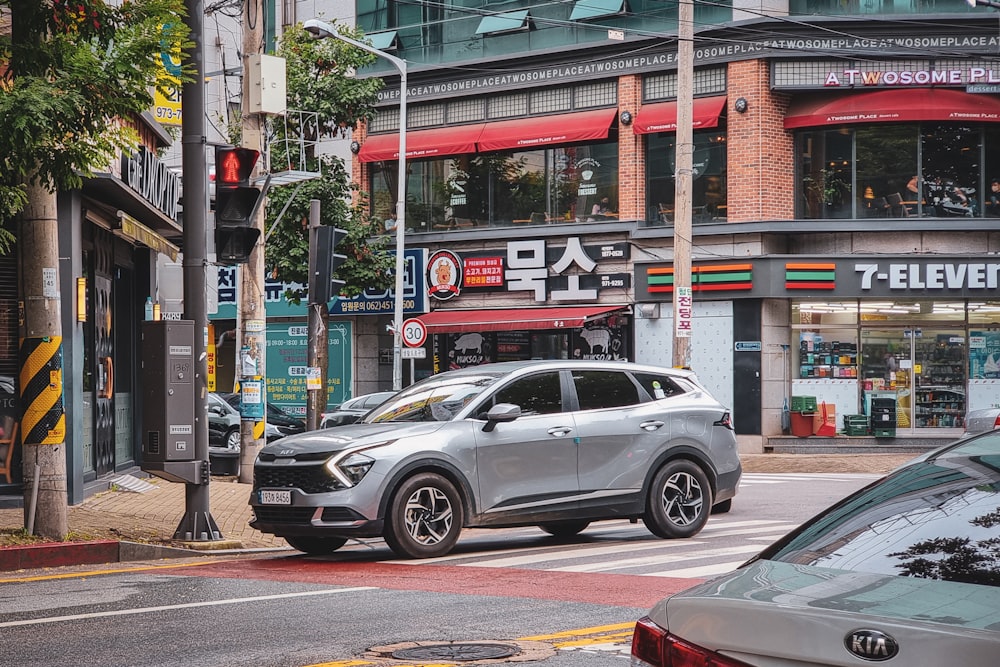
(253,318)
(318,334)
(197,523)
(684,162)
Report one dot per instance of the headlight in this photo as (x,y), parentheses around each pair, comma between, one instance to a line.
(351,469)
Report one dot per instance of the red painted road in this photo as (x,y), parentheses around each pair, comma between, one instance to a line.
(611,589)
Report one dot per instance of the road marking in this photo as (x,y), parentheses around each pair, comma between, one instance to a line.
(703,571)
(661,559)
(189,605)
(119,570)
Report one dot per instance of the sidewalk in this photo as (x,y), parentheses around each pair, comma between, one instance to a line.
(151,517)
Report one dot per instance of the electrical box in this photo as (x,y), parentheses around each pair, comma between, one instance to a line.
(168,391)
(264,84)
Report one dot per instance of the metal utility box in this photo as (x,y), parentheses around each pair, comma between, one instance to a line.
(168,391)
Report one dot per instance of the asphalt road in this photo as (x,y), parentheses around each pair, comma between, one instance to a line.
(558,604)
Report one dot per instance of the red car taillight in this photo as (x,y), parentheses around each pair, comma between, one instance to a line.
(652,646)
(727,421)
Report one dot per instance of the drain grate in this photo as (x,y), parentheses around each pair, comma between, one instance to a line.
(461,652)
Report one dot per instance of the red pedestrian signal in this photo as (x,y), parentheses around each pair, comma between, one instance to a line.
(236,203)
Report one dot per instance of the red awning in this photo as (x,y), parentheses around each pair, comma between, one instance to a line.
(512,319)
(662,117)
(542,131)
(422,143)
(909,104)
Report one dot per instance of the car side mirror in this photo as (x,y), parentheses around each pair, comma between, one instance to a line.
(501,412)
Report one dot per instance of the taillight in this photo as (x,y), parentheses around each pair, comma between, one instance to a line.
(726,420)
(652,646)
(996,422)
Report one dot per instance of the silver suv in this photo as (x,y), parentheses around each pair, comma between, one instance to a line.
(557,444)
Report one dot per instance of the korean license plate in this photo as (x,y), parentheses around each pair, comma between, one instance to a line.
(275,497)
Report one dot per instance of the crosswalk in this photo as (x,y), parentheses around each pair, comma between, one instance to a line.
(620,547)
(750,479)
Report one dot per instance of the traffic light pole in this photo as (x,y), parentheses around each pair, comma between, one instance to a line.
(197,524)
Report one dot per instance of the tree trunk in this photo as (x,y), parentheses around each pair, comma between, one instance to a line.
(43,419)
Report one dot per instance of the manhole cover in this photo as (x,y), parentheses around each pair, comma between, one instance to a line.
(459,652)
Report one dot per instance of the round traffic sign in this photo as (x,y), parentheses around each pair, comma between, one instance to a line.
(414,332)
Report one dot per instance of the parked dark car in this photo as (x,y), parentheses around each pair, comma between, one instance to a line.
(223,423)
(352,410)
(904,572)
(279,422)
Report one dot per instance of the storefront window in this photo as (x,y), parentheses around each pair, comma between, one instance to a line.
(898,171)
(552,185)
(708,186)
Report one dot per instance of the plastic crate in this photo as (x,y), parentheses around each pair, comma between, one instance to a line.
(803,404)
(880,432)
(855,430)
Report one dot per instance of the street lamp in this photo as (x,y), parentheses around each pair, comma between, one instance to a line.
(322,29)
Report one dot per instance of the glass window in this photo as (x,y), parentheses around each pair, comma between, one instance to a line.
(708,187)
(826,167)
(604,389)
(658,386)
(538,394)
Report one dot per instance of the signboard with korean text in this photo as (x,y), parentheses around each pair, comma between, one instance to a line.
(288,369)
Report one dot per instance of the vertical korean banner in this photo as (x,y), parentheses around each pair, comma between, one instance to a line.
(167,96)
(683,312)
(288,369)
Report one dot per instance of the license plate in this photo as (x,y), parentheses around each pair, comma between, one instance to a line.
(275,497)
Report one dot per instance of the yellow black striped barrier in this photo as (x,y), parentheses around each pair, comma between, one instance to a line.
(41,381)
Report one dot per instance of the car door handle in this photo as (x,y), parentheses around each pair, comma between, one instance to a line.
(560,431)
(651,425)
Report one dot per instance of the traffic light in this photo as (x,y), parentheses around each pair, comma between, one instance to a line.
(236,203)
(324,262)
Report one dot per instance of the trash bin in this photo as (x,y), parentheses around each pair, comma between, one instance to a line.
(802,424)
(222,461)
(884,417)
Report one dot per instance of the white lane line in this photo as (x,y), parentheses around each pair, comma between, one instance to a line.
(574,553)
(661,559)
(700,571)
(171,607)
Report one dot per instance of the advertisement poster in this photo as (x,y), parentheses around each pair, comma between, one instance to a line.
(984,355)
(288,368)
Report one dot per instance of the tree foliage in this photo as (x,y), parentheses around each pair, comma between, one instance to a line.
(69,69)
(320,79)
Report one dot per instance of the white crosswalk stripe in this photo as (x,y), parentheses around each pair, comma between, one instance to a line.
(784,477)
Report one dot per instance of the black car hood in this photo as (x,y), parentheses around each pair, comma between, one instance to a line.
(330,440)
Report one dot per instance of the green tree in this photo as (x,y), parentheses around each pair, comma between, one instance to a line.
(71,71)
(320,79)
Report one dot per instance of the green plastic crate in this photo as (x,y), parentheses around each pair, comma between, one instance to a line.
(855,430)
(884,432)
(803,404)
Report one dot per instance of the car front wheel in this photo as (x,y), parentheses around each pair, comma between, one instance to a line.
(234,439)
(679,501)
(425,517)
(316,546)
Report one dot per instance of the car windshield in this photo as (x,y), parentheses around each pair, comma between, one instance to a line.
(438,399)
(937,519)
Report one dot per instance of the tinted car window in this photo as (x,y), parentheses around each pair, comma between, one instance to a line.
(658,386)
(538,394)
(437,398)
(604,389)
(938,519)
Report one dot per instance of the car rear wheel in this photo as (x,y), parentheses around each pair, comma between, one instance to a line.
(564,528)
(425,517)
(679,501)
(234,439)
(316,546)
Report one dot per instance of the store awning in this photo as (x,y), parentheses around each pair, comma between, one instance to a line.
(662,116)
(910,104)
(513,319)
(542,131)
(454,140)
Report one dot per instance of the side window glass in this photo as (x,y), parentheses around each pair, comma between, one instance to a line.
(604,389)
(658,386)
(536,394)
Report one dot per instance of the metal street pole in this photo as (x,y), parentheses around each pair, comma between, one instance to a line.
(197,523)
(683,161)
(322,29)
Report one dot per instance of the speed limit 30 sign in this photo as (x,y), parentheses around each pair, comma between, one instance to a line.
(414,333)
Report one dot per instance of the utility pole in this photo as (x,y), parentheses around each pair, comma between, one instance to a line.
(684,162)
(253,319)
(318,332)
